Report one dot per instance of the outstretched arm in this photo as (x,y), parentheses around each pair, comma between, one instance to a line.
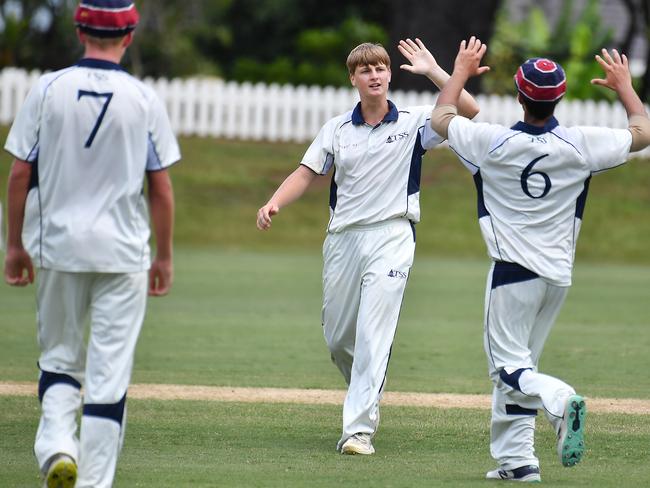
(619,79)
(289,191)
(467,64)
(423,63)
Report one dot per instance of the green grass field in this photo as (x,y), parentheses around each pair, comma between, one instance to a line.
(253,319)
(245,311)
(202,444)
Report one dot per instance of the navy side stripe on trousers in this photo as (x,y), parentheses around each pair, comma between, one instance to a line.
(512,409)
(112,411)
(48,379)
(506,273)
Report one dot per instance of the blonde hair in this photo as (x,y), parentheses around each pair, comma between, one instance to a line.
(367,54)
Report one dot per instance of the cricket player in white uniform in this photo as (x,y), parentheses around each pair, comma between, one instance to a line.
(83,141)
(532,181)
(375,153)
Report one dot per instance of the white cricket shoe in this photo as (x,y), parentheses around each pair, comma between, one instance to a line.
(570,437)
(358,444)
(529,474)
(61,472)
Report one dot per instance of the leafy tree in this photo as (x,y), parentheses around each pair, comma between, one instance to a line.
(320,55)
(37,34)
(571,43)
(300,41)
(174,38)
(179,38)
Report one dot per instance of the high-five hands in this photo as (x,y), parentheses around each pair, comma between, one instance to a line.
(468,59)
(616,68)
(416,53)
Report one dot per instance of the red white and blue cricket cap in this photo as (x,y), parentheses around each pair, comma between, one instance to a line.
(541,80)
(106,18)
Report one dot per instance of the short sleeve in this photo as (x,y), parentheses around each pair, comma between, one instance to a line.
(319,157)
(22,142)
(428,136)
(605,148)
(471,141)
(162,150)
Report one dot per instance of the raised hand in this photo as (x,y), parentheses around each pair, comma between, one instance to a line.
(616,68)
(468,60)
(416,53)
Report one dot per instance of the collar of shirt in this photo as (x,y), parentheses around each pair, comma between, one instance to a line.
(99,64)
(551,124)
(391,116)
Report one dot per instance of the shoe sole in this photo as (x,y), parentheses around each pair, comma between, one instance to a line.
(529,478)
(525,479)
(62,475)
(573,445)
(353,450)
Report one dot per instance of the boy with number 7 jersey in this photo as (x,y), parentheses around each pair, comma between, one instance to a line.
(84,142)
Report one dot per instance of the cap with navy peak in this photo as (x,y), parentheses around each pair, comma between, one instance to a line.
(541,80)
(106,18)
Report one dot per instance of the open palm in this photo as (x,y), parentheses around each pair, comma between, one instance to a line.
(416,53)
(616,68)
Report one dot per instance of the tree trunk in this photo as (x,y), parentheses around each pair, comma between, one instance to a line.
(645,81)
(631,8)
(441,25)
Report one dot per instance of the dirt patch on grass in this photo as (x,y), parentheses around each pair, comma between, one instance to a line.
(326,397)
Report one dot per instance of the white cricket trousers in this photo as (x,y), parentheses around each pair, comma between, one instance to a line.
(520,310)
(115,304)
(364,277)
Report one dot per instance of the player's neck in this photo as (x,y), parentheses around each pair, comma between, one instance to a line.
(374,110)
(113,54)
(530,120)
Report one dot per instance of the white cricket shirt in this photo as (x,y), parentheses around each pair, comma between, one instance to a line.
(532,184)
(90,131)
(377,169)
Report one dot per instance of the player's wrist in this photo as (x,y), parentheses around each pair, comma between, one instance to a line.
(435,71)
(15,245)
(461,72)
(164,255)
(437,75)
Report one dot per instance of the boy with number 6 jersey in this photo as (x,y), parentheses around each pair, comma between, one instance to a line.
(84,141)
(532,181)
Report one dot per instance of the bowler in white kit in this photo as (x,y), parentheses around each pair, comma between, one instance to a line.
(84,142)
(532,181)
(374,153)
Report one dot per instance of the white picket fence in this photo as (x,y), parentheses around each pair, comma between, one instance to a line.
(216,108)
